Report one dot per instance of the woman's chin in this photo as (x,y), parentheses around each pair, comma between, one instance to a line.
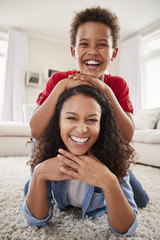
(78,152)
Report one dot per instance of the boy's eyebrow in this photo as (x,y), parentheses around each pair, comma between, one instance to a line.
(103,39)
(85,39)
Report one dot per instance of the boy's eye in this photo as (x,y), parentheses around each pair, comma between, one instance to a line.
(103,45)
(83,44)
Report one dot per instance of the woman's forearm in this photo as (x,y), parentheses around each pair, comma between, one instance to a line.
(37,201)
(120,214)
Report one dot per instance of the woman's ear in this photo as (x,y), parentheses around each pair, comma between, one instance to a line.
(73,51)
(114,54)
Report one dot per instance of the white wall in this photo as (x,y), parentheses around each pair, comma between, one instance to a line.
(44,54)
(113,68)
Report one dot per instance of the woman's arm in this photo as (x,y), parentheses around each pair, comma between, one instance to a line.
(91,171)
(37,200)
(120,214)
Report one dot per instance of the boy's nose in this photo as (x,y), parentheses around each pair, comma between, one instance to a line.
(92,51)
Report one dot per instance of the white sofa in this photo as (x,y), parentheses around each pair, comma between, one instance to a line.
(146,139)
(13,139)
(14,135)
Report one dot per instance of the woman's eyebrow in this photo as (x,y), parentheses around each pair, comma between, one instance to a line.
(71,113)
(91,115)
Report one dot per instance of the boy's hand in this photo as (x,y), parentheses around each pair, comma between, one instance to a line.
(71,82)
(88,79)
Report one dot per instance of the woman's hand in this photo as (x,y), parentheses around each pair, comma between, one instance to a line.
(50,170)
(85,168)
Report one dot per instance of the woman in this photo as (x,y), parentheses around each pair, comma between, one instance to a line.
(82,160)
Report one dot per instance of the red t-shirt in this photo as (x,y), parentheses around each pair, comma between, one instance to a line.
(117,84)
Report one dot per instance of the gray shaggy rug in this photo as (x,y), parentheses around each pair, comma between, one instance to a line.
(69,225)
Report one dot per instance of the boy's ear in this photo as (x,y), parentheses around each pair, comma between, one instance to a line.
(114,54)
(72,51)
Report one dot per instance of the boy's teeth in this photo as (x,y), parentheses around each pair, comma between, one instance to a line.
(92,62)
(79,140)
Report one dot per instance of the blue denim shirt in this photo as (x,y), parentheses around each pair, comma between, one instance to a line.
(94,204)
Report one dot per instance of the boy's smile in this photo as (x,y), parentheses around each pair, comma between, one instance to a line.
(80,123)
(93,51)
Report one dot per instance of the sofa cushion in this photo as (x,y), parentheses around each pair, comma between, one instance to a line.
(10,128)
(151,136)
(158,124)
(146,118)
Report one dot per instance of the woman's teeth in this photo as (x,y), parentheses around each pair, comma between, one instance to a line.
(79,140)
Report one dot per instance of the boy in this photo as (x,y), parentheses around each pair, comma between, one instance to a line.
(94,38)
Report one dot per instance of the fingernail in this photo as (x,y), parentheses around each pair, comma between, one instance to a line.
(60,150)
(59,156)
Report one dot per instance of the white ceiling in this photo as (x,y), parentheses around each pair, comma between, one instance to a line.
(51,18)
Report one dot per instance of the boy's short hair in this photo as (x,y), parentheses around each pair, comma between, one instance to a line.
(95,14)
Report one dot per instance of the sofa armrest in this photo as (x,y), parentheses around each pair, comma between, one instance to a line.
(10,128)
(147,136)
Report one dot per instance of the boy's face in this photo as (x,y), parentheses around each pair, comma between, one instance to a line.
(93,50)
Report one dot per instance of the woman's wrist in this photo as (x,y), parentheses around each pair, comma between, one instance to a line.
(38,174)
(109,183)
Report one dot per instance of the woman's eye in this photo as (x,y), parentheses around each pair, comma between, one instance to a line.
(71,118)
(92,120)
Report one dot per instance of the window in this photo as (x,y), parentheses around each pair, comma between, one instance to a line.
(3,54)
(151,70)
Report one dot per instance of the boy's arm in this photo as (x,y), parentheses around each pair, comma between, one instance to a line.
(43,113)
(124,119)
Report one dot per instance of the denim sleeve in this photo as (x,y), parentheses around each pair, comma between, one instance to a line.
(32,221)
(127,190)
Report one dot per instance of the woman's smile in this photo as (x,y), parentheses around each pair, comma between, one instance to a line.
(79,140)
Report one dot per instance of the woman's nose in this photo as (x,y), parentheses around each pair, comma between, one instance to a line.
(82,128)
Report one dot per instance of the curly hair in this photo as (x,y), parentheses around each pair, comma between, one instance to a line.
(95,14)
(111,148)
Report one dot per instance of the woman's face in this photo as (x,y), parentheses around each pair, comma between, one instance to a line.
(80,123)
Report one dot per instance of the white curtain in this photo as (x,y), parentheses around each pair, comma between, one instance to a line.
(130,67)
(14,96)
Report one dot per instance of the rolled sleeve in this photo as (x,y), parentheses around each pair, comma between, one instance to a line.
(130,231)
(127,190)
(32,221)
